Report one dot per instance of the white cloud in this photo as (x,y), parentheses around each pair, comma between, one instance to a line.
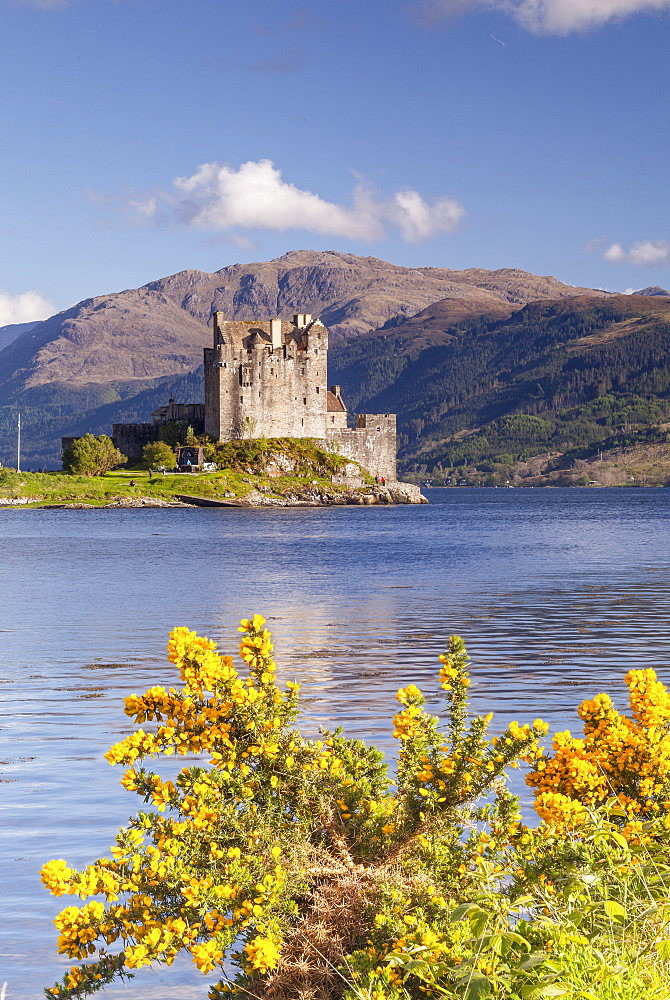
(27,307)
(551,17)
(646,253)
(417,220)
(220,198)
(146,207)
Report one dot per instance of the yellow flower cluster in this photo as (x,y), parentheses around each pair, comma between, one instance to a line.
(409,695)
(560,810)
(206,956)
(627,759)
(451,675)
(649,698)
(57,877)
(262,953)
(192,722)
(200,666)
(407,724)
(79,927)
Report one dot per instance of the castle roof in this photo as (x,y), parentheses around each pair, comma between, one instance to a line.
(335,404)
(258,339)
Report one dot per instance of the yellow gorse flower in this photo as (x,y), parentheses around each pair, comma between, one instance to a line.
(262,953)
(621,758)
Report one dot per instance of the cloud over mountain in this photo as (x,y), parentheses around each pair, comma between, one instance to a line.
(550,17)
(220,198)
(24,308)
(646,253)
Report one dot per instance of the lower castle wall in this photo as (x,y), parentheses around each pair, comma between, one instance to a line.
(372,443)
(130,439)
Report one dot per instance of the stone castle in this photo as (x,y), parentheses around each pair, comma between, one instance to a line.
(269,378)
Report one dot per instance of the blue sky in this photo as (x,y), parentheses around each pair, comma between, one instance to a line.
(142,137)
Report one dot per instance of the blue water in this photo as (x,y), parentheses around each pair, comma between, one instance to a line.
(556,592)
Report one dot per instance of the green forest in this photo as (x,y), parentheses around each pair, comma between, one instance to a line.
(568,377)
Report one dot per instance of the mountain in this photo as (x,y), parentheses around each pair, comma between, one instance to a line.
(161,328)
(12,331)
(568,376)
(112,350)
(652,290)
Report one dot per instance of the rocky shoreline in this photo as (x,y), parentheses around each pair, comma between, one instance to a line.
(390,494)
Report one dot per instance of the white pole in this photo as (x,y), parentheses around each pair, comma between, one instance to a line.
(18,445)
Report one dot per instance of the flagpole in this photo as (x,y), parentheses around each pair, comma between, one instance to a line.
(18,445)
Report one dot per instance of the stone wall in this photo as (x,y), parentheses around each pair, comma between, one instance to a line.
(188,413)
(372,443)
(130,439)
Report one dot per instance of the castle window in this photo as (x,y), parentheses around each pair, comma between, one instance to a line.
(305,400)
(316,350)
(332,420)
(317,388)
(241,399)
(302,371)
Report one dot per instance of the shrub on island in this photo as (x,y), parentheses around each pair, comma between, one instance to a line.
(92,456)
(157,455)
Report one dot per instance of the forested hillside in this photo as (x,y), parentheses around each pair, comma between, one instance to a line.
(572,377)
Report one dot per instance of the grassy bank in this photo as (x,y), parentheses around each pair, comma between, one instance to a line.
(279,468)
(44,489)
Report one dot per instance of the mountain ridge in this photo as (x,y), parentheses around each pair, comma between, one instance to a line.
(161,327)
(110,357)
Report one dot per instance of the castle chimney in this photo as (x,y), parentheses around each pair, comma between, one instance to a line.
(302,320)
(275,334)
(336,390)
(217,323)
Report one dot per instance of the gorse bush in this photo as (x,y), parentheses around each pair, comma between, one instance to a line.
(626,759)
(296,868)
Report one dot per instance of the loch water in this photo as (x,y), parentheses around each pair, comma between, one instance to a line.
(558,593)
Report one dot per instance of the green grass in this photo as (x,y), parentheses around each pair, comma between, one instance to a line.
(247,467)
(57,487)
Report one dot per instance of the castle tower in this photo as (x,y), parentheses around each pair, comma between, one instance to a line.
(266,378)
